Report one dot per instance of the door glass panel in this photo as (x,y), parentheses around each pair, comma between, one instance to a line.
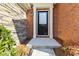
(42,22)
(42,18)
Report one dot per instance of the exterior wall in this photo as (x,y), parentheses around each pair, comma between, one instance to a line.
(29,25)
(8,23)
(13,18)
(66,23)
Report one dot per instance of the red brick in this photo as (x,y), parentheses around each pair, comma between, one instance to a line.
(29,22)
(66,23)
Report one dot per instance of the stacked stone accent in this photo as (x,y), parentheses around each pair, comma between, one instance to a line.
(20,26)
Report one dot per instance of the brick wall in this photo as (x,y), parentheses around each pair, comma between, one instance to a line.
(29,24)
(66,23)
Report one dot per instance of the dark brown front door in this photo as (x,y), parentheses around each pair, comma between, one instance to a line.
(42,22)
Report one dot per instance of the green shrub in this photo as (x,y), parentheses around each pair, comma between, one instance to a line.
(7,43)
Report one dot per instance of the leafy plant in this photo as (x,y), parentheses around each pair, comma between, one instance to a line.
(7,43)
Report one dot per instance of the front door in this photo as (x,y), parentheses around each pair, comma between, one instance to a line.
(42,17)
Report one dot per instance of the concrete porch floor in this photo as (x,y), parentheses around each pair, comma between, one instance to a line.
(43,46)
(43,43)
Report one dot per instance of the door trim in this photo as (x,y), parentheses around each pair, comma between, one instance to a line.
(50,7)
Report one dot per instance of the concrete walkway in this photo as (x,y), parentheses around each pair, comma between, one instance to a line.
(43,52)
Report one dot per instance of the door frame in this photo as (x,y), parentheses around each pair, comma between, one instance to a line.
(50,26)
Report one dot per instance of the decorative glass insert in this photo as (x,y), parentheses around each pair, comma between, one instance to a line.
(42,17)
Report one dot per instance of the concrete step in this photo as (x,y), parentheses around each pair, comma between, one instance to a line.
(43,52)
(44,43)
(43,46)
